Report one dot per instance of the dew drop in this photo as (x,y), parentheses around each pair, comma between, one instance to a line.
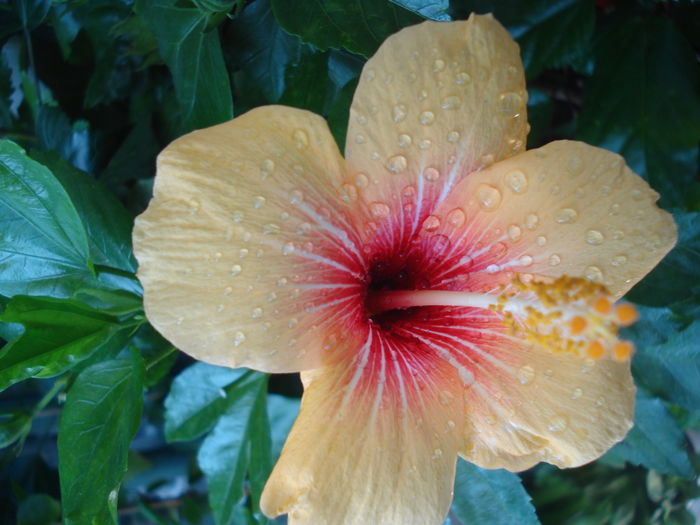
(288,248)
(554,259)
(409,193)
(451,102)
(431,174)
(422,95)
(456,217)
(256,313)
(194,205)
(266,167)
(510,104)
(594,237)
(237,216)
(361,180)
(462,78)
(486,160)
(541,240)
(379,210)
(361,120)
(400,111)
(243,253)
(516,180)
(258,202)
(360,139)
(593,273)
(526,260)
(405,140)
(397,164)
(525,374)
(348,192)
(618,235)
(577,393)
(438,65)
(488,196)
(558,423)
(566,216)
(236,269)
(301,139)
(531,221)
(282,281)
(619,260)
(453,136)
(238,338)
(425,143)
(575,165)
(426,118)
(228,290)
(431,223)
(514,232)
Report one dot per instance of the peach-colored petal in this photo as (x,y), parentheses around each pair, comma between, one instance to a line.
(375,442)
(529,405)
(244,256)
(436,102)
(564,209)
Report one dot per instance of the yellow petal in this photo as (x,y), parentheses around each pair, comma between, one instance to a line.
(436,102)
(539,406)
(242,246)
(564,209)
(370,446)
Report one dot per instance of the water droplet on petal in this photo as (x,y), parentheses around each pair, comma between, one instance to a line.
(238,338)
(426,118)
(400,111)
(288,248)
(425,143)
(438,65)
(485,161)
(453,136)
(451,102)
(456,217)
(575,165)
(554,259)
(361,180)
(243,253)
(462,78)
(256,313)
(258,202)
(531,221)
(266,167)
(577,393)
(618,235)
(397,164)
(510,104)
(558,423)
(525,260)
(236,269)
(525,374)
(566,216)
(594,237)
(360,139)
(541,240)
(619,260)
(514,232)
(593,273)
(405,140)
(431,174)
(379,210)
(348,192)
(488,196)
(431,223)
(301,139)
(516,180)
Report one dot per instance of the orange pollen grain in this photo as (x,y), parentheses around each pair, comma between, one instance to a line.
(626,314)
(623,350)
(595,350)
(602,305)
(578,324)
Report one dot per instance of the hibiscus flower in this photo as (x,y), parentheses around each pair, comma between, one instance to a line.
(442,291)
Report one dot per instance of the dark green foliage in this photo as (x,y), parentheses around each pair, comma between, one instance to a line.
(92,90)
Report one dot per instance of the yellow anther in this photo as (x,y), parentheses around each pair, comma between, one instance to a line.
(602,305)
(626,314)
(577,324)
(595,350)
(623,350)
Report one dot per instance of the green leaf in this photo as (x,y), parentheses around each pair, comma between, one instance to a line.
(43,244)
(655,441)
(100,417)
(672,370)
(56,133)
(237,445)
(262,48)
(38,509)
(195,60)
(676,276)
(496,497)
(58,334)
(432,9)
(282,412)
(642,102)
(107,223)
(359,26)
(13,427)
(198,396)
(307,83)
(31,12)
(540,110)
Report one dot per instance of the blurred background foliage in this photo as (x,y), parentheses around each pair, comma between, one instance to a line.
(102,420)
